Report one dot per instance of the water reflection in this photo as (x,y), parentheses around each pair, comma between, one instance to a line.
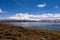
(43,25)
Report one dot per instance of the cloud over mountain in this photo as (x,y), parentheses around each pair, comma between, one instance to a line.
(27,16)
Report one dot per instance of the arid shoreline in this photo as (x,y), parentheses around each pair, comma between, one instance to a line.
(11,32)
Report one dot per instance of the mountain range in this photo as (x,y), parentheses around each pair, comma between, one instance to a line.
(29,17)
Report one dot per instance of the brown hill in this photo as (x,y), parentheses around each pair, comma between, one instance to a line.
(10,32)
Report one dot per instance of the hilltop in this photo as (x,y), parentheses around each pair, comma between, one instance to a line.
(11,32)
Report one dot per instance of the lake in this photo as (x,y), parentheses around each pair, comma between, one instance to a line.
(41,25)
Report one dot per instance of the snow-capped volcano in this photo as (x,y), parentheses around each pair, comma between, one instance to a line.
(30,17)
(26,16)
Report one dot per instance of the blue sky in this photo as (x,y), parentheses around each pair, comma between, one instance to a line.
(11,7)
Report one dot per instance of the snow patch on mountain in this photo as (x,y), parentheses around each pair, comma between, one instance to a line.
(27,16)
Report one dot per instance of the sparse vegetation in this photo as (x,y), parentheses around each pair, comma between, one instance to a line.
(10,32)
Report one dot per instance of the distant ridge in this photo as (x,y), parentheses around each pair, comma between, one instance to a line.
(32,18)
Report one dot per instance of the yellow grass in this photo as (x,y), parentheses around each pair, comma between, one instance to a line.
(11,32)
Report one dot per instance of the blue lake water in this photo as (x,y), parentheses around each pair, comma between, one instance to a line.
(41,25)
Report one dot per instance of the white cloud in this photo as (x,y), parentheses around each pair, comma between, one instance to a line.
(26,16)
(41,5)
(2,11)
(56,7)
